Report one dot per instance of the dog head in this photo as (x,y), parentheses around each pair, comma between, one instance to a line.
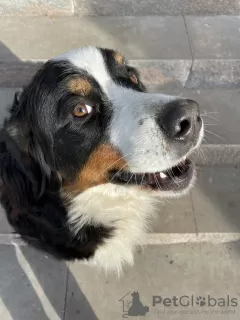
(86,119)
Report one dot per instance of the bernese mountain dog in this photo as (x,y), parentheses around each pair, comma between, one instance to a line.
(86,154)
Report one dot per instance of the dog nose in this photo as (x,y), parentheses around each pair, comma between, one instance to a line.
(180,119)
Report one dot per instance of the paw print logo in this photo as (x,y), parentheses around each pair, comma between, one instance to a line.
(201,301)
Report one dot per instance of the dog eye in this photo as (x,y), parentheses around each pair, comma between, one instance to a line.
(134,78)
(82,110)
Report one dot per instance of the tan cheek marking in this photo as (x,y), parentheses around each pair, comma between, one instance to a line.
(80,86)
(118,57)
(95,171)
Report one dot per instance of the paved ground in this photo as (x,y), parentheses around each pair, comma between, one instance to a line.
(34,287)
(182,51)
(118,8)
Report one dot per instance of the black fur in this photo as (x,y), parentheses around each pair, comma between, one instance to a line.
(121,73)
(39,150)
(32,152)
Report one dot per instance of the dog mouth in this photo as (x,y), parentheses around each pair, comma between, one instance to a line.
(176,178)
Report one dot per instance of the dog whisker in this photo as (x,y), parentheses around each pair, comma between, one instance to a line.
(216,135)
(210,117)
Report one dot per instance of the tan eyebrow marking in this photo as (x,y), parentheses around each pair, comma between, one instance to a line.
(80,86)
(118,57)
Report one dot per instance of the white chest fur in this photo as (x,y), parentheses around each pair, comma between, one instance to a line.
(128,210)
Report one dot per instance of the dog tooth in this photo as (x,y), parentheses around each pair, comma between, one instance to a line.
(163,175)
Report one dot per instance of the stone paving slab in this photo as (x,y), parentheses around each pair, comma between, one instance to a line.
(4,225)
(158,46)
(217,155)
(215,47)
(36,7)
(119,8)
(166,73)
(156,7)
(17,73)
(175,216)
(166,271)
(214,73)
(216,200)
(214,37)
(32,285)
(136,37)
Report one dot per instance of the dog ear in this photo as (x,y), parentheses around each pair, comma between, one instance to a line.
(20,174)
(26,156)
(26,148)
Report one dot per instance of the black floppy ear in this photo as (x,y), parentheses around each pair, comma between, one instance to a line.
(21,177)
(24,129)
(28,151)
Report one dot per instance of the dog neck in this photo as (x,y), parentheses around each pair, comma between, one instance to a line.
(127,210)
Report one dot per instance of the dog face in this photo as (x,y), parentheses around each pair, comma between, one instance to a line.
(127,136)
(89,112)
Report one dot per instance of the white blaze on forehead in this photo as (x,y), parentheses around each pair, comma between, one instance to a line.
(91,60)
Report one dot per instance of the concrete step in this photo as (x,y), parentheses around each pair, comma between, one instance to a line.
(36,7)
(119,7)
(156,7)
(193,52)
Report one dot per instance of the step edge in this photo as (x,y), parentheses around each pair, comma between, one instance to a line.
(155,238)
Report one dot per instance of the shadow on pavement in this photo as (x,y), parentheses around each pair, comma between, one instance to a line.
(33,286)
(14,72)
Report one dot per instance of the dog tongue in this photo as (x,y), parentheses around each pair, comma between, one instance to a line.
(162,175)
